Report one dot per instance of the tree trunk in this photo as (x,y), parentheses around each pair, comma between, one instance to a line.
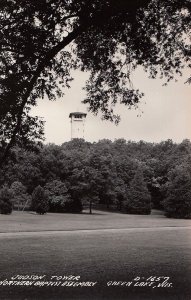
(90,207)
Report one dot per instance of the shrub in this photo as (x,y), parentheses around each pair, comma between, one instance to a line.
(59,204)
(40,200)
(59,198)
(20,197)
(5,201)
(177,203)
(139,199)
(74,206)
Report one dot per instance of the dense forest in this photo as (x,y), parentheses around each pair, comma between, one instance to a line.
(131,177)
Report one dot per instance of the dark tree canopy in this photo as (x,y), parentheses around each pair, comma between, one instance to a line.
(177,203)
(42,41)
(120,175)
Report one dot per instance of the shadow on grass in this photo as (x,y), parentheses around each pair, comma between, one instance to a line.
(81,213)
(99,212)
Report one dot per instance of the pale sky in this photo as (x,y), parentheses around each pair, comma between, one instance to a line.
(166,113)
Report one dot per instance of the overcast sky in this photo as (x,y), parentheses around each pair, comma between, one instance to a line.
(166,113)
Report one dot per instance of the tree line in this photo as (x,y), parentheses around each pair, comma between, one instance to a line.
(42,41)
(131,177)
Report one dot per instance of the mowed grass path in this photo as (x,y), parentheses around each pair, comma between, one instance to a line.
(102,247)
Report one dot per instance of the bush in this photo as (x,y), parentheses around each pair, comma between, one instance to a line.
(58,204)
(40,200)
(20,197)
(74,206)
(5,201)
(61,204)
(177,203)
(59,198)
(139,199)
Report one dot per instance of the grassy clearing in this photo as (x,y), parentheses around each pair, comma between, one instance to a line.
(97,255)
(29,221)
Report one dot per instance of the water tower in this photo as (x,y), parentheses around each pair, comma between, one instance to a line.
(77,125)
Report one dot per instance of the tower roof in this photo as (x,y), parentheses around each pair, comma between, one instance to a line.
(78,114)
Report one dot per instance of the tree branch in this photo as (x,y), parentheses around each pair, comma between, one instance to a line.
(69,17)
(50,55)
(97,20)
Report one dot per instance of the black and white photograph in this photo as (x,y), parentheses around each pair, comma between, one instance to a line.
(95,149)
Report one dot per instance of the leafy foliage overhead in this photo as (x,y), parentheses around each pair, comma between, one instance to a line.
(42,41)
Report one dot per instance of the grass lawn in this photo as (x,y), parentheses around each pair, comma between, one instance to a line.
(100,248)
(30,221)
